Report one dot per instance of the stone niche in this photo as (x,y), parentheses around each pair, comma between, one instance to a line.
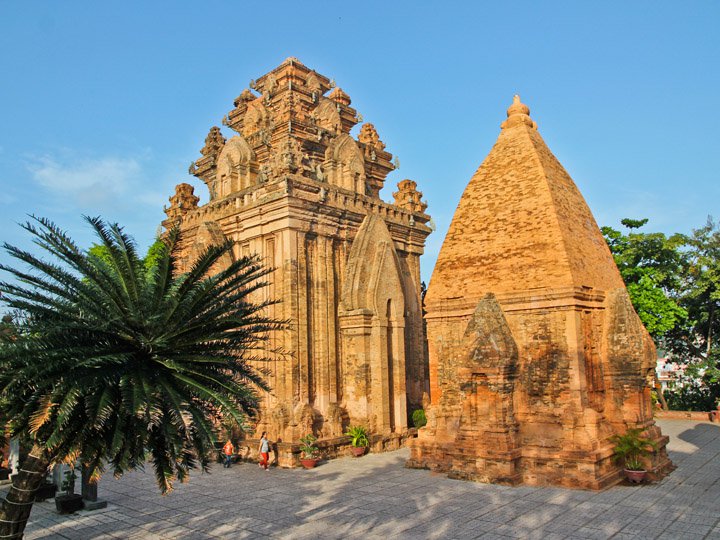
(536,355)
(294,186)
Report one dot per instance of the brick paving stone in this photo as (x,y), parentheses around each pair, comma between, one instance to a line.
(691,528)
(674,535)
(493,536)
(377,498)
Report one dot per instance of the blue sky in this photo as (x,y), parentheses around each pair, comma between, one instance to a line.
(103,106)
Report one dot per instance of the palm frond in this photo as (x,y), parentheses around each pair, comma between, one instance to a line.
(115,361)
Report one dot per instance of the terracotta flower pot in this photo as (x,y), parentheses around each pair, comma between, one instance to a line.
(309,463)
(358,450)
(635,476)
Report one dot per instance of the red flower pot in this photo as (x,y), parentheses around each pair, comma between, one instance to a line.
(635,476)
(309,463)
(358,450)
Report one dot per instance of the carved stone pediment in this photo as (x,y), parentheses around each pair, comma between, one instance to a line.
(236,168)
(345,164)
(373,274)
(256,118)
(327,116)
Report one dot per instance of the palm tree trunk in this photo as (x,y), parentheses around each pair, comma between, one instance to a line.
(16,507)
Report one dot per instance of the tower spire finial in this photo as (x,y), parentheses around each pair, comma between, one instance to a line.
(518,114)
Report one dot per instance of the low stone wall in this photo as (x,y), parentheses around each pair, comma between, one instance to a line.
(712,416)
(287,455)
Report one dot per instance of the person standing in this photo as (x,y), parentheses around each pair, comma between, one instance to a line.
(264,451)
(228,451)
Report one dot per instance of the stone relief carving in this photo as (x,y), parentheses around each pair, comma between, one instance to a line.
(288,159)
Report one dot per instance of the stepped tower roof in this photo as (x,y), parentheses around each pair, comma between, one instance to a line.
(293,121)
(521,224)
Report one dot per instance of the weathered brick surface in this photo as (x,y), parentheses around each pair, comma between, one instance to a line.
(527,223)
(536,354)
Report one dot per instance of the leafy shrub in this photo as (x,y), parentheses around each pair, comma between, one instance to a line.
(68,483)
(308,447)
(359,436)
(631,447)
(418,418)
(692,396)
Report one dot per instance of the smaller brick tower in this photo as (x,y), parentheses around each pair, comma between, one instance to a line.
(536,354)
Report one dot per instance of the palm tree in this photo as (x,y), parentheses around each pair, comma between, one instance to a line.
(115,361)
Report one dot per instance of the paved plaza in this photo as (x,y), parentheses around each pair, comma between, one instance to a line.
(376,497)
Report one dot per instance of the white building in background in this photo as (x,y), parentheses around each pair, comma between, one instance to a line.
(669,373)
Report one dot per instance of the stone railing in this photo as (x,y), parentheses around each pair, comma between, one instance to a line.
(712,416)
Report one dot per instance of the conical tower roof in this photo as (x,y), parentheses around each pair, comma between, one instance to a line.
(521,224)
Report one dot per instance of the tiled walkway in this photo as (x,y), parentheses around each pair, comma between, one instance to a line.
(376,497)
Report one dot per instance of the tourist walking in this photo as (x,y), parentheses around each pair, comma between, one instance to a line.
(228,451)
(264,451)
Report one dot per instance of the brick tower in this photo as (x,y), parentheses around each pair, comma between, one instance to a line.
(294,186)
(536,354)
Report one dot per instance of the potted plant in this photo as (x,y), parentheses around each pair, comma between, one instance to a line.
(630,449)
(358,440)
(309,457)
(69,502)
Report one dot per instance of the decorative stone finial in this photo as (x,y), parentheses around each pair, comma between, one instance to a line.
(213,143)
(182,202)
(339,96)
(518,107)
(245,96)
(368,135)
(518,114)
(408,197)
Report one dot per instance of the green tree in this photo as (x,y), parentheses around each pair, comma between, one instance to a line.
(115,361)
(697,341)
(154,253)
(651,265)
(674,285)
